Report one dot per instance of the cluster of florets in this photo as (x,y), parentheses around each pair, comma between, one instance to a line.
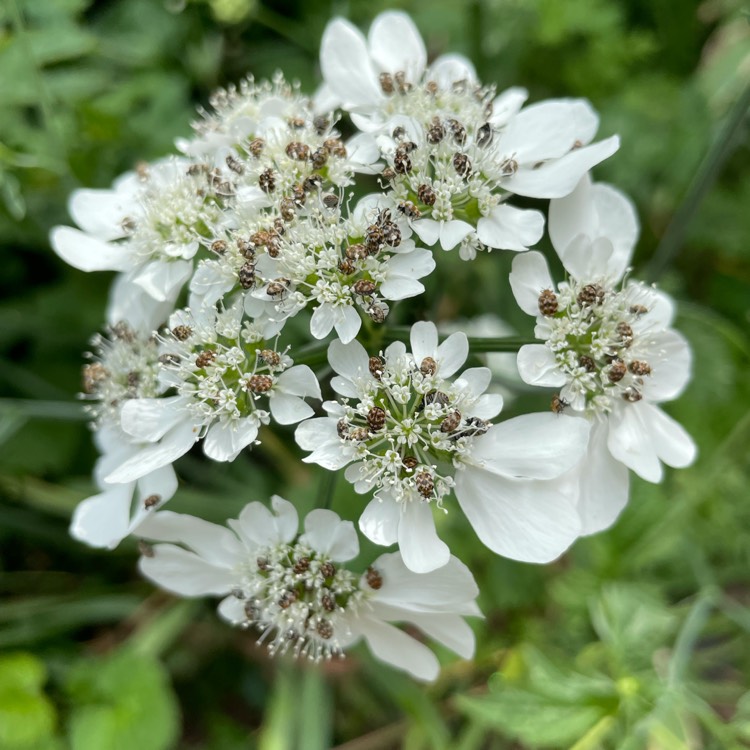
(258,222)
(598,338)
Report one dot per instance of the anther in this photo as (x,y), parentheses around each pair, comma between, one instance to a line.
(376,418)
(259,383)
(428,366)
(547,302)
(205,358)
(425,484)
(151,501)
(376,366)
(373,578)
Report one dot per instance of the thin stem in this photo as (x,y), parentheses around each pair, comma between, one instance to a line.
(477,344)
(326,490)
(704,179)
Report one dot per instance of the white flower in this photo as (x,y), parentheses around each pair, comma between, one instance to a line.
(147,226)
(455,151)
(608,347)
(335,264)
(412,436)
(293,590)
(124,367)
(220,381)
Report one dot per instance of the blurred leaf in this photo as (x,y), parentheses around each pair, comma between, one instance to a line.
(27,717)
(120,703)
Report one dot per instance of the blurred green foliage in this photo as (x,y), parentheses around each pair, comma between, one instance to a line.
(638,638)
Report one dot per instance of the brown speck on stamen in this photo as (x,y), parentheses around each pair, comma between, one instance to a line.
(256,147)
(451,422)
(376,418)
(427,195)
(425,484)
(259,383)
(267,181)
(364,287)
(205,358)
(428,366)
(461,164)
(587,363)
(328,569)
(270,357)
(617,371)
(386,83)
(302,565)
(376,366)
(324,629)
(639,367)
(246,274)
(547,302)
(373,578)
(93,374)
(235,164)
(625,332)
(146,549)
(182,333)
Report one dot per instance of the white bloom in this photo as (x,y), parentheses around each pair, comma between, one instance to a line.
(294,591)
(411,436)
(455,151)
(226,388)
(147,226)
(608,347)
(124,367)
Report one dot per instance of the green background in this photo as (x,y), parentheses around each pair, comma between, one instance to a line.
(637,638)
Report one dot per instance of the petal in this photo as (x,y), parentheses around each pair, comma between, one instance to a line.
(537,365)
(523,520)
(421,548)
(535,446)
(129,302)
(287,409)
(450,630)
(178,441)
(149,419)
(451,68)
(557,178)
(349,360)
(587,259)
(258,525)
(321,321)
(528,279)
(101,212)
(474,381)
(671,366)
(310,434)
(380,520)
(509,228)
(487,406)
(423,338)
(299,380)
(163,280)
(396,45)
(232,610)
(428,230)
(88,253)
(102,520)
(328,535)
(286,518)
(452,354)
(215,544)
(452,232)
(507,105)
(345,65)
(630,441)
(394,647)
(226,439)
(185,573)
(348,324)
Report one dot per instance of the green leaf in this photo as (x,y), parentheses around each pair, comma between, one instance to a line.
(121,703)
(27,717)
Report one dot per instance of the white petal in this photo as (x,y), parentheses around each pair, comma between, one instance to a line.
(507,105)
(671,441)
(309,435)
(149,419)
(670,366)
(396,45)
(103,520)
(299,380)
(88,253)
(330,455)
(397,287)
(226,439)
(603,485)
(524,520)
(185,573)
(528,279)
(475,380)
(345,64)
(537,365)
(423,338)
(100,212)
(379,521)
(287,409)
(452,354)
(428,230)
(350,360)
(630,441)
(535,446)
(215,544)
(487,406)
(394,647)
(557,178)
(163,280)
(131,303)
(451,68)
(587,259)
(232,610)
(348,324)
(321,321)
(450,630)
(452,232)
(449,589)
(509,228)
(421,548)
(178,441)
(263,528)
(327,534)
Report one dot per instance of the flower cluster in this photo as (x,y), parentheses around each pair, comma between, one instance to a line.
(248,254)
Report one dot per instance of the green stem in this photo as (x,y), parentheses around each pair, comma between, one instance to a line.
(704,179)
(326,490)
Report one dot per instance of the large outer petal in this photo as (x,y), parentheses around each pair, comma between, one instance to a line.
(185,573)
(534,446)
(524,520)
(379,521)
(421,548)
(510,228)
(396,45)
(87,253)
(528,279)
(537,366)
(346,67)
(327,534)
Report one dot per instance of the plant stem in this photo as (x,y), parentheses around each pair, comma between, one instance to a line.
(704,179)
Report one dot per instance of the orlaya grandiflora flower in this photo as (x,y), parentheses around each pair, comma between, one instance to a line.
(411,433)
(292,588)
(147,226)
(334,264)
(227,384)
(123,366)
(454,151)
(608,348)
